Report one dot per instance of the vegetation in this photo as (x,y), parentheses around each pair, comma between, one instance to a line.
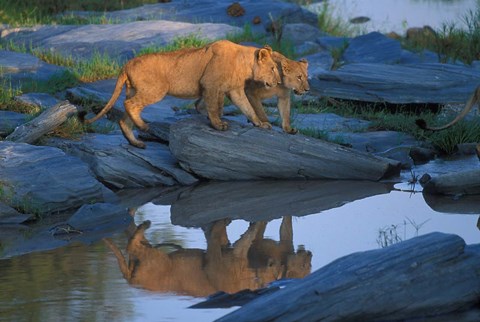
(28,12)
(451,42)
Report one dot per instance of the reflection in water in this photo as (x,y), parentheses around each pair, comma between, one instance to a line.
(249,263)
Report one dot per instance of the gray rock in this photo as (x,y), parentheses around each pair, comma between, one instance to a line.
(204,11)
(20,67)
(331,42)
(98,216)
(117,40)
(299,33)
(398,84)
(432,277)
(246,153)
(41,100)
(329,122)
(45,180)
(10,120)
(319,63)
(377,141)
(373,47)
(120,165)
(8,215)
(455,183)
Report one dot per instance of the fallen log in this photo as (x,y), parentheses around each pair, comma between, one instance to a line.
(46,122)
(456,183)
(432,277)
(250,153)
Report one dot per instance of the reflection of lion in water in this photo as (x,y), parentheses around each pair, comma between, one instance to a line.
(250,263)
(473,100)
(219,68)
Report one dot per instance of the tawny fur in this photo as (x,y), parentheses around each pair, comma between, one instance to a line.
(220,68)
(294,76)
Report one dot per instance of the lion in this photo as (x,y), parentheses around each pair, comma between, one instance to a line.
(474,99)
(220,68)
(294,76)
(251,262)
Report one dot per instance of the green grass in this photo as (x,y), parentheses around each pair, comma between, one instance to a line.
(181,42)
(336,26)
(29,13)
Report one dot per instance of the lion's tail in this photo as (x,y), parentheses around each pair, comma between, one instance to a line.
(122,78)
(474,99)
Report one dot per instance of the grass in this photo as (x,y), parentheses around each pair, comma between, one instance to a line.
(29,13)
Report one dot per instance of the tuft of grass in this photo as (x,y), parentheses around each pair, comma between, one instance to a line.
(335,26)
(29,13)
(181,42)
(451,42)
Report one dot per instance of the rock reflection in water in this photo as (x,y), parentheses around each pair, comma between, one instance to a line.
(251,262)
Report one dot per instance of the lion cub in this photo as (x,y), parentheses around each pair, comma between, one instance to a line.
(294,75)
(218,69)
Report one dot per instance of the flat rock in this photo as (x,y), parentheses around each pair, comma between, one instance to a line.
(204,11)
(117,40)
(455,183)
(45,180)
(10,120)
(247,152)
(120,165)
(8,215)
(398,84)
(20,67)
(373,47)
(433,277)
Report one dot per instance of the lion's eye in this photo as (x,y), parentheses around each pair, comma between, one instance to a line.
(273,69)
(299,77)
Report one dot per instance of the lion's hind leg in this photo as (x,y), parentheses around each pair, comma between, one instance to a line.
(126,125)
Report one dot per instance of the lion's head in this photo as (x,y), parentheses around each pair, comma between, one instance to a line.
(295,75)
(265,69)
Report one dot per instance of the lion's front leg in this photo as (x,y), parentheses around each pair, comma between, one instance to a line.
(239,98)
(284,110)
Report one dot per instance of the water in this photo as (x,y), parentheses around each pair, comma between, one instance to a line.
(83,281)
(398,15)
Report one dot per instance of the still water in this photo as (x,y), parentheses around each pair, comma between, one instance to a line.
(188,243)
(398,15)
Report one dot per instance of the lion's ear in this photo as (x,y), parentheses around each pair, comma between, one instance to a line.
(263,54)
(303,61)
(267,47)
(285,67)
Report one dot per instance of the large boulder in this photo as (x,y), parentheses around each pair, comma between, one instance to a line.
(42,180)
(455,183)
(434,277)
(246,153)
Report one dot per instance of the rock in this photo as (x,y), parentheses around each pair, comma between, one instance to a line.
(299,33)
(329,123)
(120,165)
(467,204)
(119,41)
(10,120)
(203,204)
(331,42)
(370,82)
(20,67)
(41,100)
(247,153)
(93,222)
(431,277)
(318,63)
(44,180)
(215,11)
(456,183)
(376,141)
(421,155)
(373,47)
(8,215)
(235,10)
